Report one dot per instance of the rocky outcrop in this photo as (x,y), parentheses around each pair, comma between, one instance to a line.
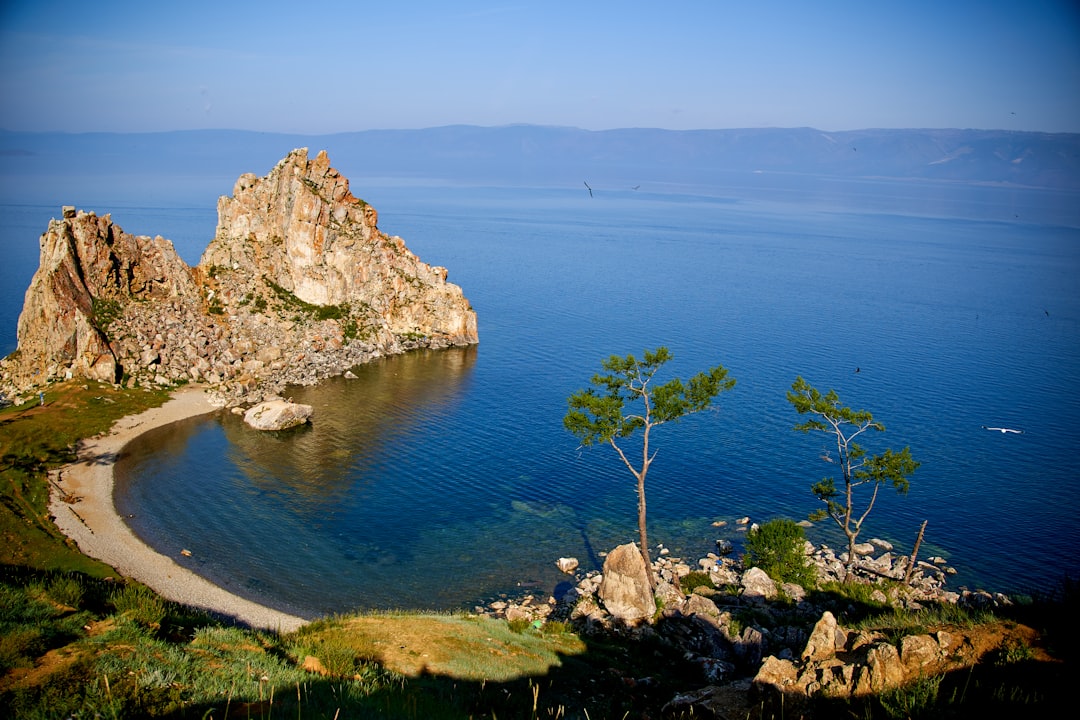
(298,238)
(88,270)
(298,284)
(848,663)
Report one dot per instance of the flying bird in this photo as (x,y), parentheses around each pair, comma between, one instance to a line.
(590,189)
(1004,430)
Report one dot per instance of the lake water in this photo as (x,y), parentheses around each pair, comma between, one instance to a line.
(440,479)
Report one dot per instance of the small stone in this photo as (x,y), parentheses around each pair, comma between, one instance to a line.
(567,564)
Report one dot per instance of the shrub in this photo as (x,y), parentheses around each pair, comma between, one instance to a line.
(139,604)
(777,548)
(696,579)
(66,590)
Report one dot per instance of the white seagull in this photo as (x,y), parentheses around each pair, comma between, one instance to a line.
(1004,430)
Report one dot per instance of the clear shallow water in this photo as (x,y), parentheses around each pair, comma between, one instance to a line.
(439,479)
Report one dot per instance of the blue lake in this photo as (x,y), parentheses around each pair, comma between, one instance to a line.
(440,479)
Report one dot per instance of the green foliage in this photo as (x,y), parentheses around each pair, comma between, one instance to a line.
(857,468)
(913,699)
(31,623)
(696,579)
(66,590)
(1012,652)
(519,625)
(777,547)
(342,313)
(106,311)
(598,414)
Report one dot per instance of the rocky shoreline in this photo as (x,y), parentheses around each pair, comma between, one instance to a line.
(749,633)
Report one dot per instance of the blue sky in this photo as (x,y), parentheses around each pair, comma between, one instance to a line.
(323,67)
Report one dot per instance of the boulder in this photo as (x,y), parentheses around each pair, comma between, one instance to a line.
(882,670)
(625,590)
(757,586)
(277,415)
(822,642)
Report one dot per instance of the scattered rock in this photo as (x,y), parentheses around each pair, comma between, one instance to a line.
(757,586)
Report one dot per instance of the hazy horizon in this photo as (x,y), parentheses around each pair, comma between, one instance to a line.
(332,66)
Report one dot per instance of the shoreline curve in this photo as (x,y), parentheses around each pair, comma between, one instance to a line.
(99,531)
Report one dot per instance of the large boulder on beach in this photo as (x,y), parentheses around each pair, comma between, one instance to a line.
(625,589)
(277,415)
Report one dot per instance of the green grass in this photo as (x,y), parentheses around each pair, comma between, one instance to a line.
(35,439)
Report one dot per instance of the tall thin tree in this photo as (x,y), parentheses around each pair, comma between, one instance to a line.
(856,467)
(600,414)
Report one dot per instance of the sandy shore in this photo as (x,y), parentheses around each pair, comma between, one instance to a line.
(95,526)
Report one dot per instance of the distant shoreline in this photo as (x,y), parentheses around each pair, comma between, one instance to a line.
(99,531)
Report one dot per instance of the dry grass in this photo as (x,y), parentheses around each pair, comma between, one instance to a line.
(455,646)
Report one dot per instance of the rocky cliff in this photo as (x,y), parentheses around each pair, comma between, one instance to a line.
(298,284)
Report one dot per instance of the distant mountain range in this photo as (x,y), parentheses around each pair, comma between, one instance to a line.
(530,155)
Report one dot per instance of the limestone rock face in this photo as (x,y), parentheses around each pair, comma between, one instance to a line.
(277,415)
(299,233)
(625,589)
(297,285)
(88,270)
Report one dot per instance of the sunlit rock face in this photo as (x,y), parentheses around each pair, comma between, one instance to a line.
(300,230)
(298,284)
(89,268)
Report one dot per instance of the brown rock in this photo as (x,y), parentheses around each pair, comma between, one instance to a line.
(625,589)
(822,642)
(883,670)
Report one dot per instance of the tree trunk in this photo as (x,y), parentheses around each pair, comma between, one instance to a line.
(914,554)
(850,557)
(642,533)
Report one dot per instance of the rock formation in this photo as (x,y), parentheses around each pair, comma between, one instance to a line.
(297,285)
